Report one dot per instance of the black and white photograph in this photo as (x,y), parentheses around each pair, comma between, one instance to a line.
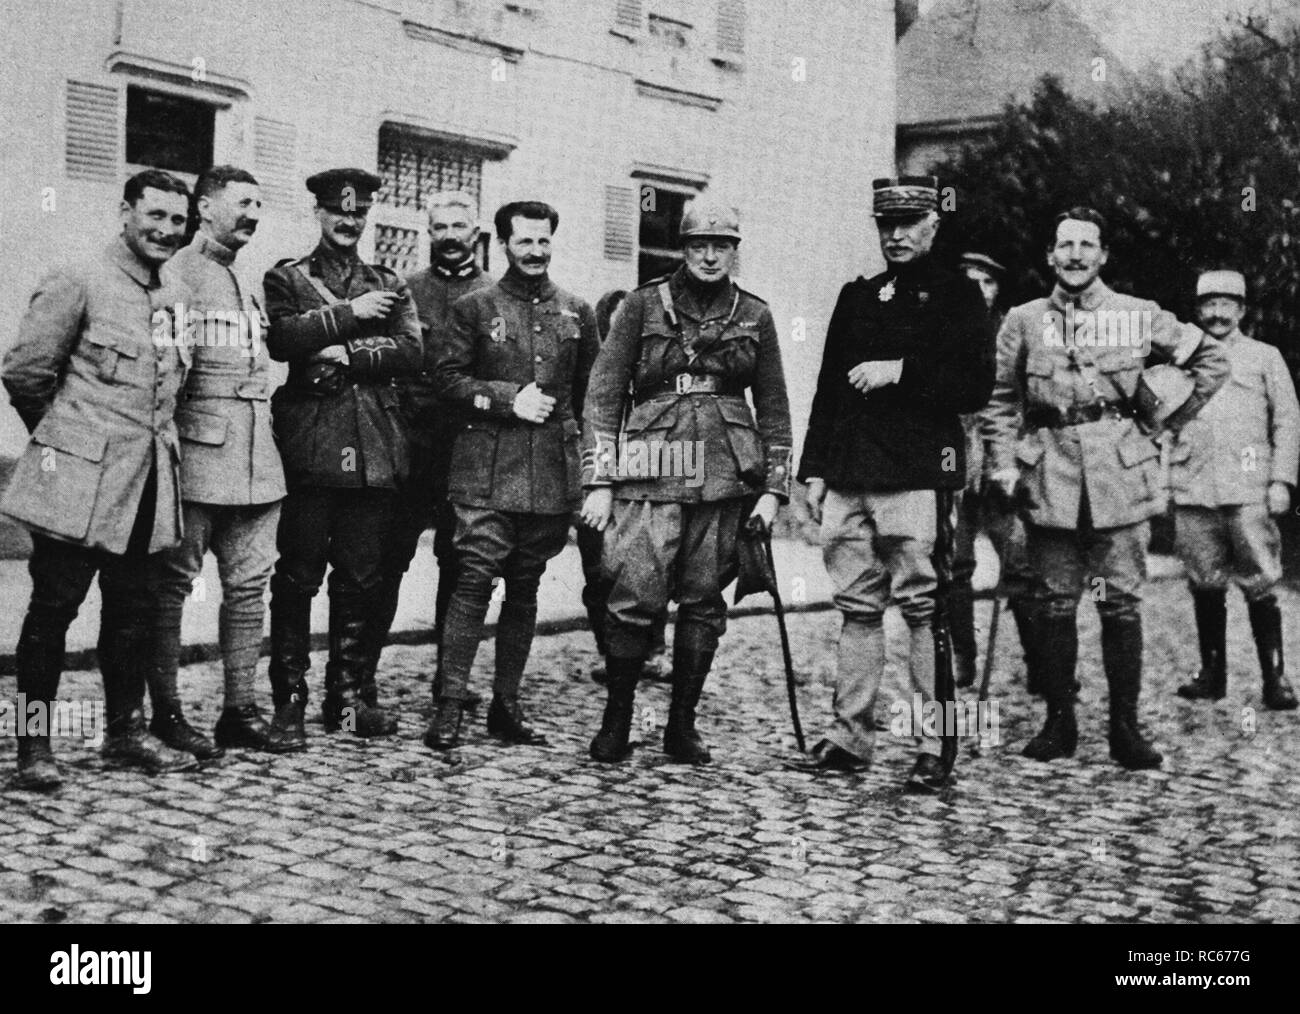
(652,462)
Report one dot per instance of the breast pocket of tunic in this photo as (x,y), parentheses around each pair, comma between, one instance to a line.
(115,354)
(737,353)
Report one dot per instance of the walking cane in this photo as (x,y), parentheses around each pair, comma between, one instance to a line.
(945,689)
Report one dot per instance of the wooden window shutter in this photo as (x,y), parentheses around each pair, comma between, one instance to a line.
(628,14)
(731,27)
(620,223)
(91,144)
(275,161)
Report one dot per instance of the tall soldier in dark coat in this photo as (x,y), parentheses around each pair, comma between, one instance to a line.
(514,364)
(422,501)
(681,475)
(347,330)
(1066,445)
(907,351)
(94,375)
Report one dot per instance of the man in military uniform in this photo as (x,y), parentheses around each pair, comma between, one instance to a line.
(685,470)
(347,330)
(591,543)
(94,375)
(1233,468)
(906,351)
(231,478)
(422,500)
(987,274)
(514,365)
(1067,448)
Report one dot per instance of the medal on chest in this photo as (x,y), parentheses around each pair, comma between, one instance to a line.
(886,292)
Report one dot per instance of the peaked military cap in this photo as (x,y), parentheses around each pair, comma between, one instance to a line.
(1221,283)
(344,189)
(982,261)
(707,218)
(904,196)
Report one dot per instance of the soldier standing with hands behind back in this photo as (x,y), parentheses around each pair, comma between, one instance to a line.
(1232,470)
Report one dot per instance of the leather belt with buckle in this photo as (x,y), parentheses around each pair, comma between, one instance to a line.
(1076,415)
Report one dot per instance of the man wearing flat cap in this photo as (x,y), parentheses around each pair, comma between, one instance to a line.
(1232,470)
(676,461)
(906,351)
(347,329)
(1067,448)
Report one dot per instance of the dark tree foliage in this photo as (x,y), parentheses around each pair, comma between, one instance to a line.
(1196,171)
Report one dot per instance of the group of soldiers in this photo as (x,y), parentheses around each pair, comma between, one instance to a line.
(494,410)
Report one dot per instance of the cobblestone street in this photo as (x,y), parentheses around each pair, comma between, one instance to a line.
(387,831)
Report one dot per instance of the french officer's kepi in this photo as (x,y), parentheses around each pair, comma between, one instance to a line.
(1221,283)
(904,196)
(344,189)
(706,218)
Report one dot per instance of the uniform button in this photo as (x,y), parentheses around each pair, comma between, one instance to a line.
(537,359)
(536,301)
(537,328)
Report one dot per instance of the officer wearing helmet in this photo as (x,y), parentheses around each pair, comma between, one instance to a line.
(674,463)
(1232,469)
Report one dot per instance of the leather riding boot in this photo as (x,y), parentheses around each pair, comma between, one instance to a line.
(961,604)
(344,707)
(1024,612)
(681,741)
(611,743)
(1121,654)
(1211,683)
(123,659)
(378,626)
(245,727)
(444,728)
(1055,642)
(1266,624)
(39,661)
(290,661)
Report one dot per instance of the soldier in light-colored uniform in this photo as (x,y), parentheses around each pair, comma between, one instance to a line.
(1232,469)
(1066,447)
(232,481)
(94,374)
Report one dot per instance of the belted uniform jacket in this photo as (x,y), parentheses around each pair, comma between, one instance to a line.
(678,444)
(1040,367)
(340,424)
(501,339)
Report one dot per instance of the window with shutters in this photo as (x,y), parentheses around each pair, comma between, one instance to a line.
(414,166)
(91,132)
(168,131)
(731,28)
(275,163)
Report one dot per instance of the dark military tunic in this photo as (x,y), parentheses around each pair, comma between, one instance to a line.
(338,425)
(500,340)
